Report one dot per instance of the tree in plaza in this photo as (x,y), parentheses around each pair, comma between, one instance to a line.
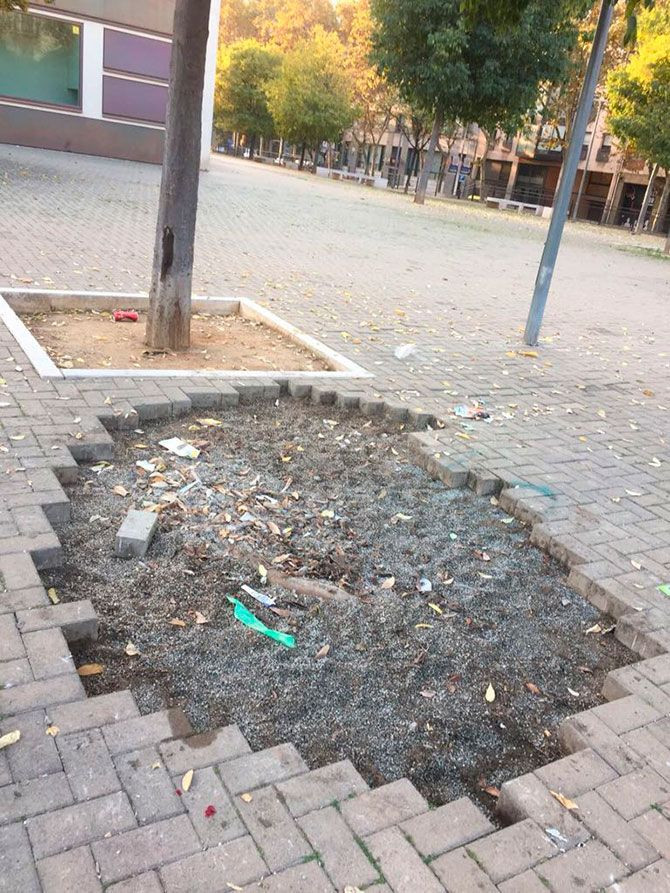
(310,99)
(468,68)
(286,23)
(237,21)
(169,316)
(244,70)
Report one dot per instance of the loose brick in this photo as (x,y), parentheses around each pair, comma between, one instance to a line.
(400,864)
(203,750)
(307,878)
(207,790)
(447,827)
(77,620)
(618,836)
(590,867)
(332,783)
(460,873)
(654,878)
(272,827)
(35,753)
(48,653)
(147,783)
(632,794)
(343,859)
(74,870)
(512,850)
(577,773)
(11,645)
(87,764)
(236,862)
(654,826)
(80,824)
(42,693)
(262,768)
(135,534)
(29,798)
(626,714)
(144,731)
(385,806)
(134,852)
(141,883)
(94,712)
(17,868)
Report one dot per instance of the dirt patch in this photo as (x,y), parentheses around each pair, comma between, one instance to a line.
(90,339)
(326,495)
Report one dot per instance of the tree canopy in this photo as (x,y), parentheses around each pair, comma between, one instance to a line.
(244,70)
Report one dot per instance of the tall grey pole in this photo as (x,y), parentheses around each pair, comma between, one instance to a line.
(589,151)
(564,192)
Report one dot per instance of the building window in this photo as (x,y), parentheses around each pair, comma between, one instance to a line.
(40,59)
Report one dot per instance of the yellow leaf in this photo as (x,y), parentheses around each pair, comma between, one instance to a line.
(177,622)
(436,608)
(388,583)
(131,650)
(186,780)
(262,571)
(490,694)
(53,596)
(327,513)
(563,800)
(200,618)
(423,626)
(210,423)
(119,490)
(10,738)
(323,651)
(52,731)
(246,797)
(273,528)
(90,669)
(528,353)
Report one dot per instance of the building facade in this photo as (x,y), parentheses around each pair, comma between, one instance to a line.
(92,76)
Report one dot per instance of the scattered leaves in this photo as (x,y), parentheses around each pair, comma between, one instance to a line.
(323,651)
(175,621)
(90,669)
(200,618)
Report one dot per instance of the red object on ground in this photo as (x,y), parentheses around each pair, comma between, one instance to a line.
(210,811)
(129,315)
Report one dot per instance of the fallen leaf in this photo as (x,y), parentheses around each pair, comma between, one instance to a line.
(563,800)
(90,669)
(10,738)
(636,565)
(274,528)
(210,423)
(532,688)
(490,694)
(595,629)
(327,513)
(492,790)
(262,571)
(423,626)
(483,556)
(388,583)
(428,693)
(131,650)
(52,731)
(53,596)
(119,490)
(246,797)
(177,622)
(200,618)
(528,353)
(186,780)
(323,651)
(232,886)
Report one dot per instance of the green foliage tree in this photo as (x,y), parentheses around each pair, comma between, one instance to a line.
(244,70)
(310,99)
(469,67)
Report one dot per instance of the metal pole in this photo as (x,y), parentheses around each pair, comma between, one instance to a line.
(562,201)
(582,182)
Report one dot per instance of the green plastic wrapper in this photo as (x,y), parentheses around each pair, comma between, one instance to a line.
(245,616)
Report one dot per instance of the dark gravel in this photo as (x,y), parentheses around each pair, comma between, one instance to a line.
(401,691)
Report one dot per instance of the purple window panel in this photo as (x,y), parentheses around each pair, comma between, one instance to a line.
(134,99)
(133,54)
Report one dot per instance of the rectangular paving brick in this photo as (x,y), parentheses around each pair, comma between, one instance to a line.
(447,827)
(151,846)
(306,878)
(145,731)
(586,730)
(18,572)
(654,827)
(271,825)
(236,863)
(385,806)
(22,599)
(134,536)
(147,783)
(320,787)
(203,750)
(653,879)
(42,693)
(80,824)
(343,859)
(577,773)
(619,836)
(49,654)
(525,797)
(591,867)
(512,850)
(37,795)
(15,672)
(400,863)
(262,768)
(87,764)
(35,753)
(142,883)
(528,882)
(632,794)
(17,866)
(11,645)
(77,620)
(460,873)
(93,712)
(207,790)
(626,714)
(73,870)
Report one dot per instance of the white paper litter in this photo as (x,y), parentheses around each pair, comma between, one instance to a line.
(180,448)
(259,596)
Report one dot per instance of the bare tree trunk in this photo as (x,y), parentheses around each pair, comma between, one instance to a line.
(666,247)
(410,168)
(302,157)
(662,205)
(169,317)
(422,185)
(252,146)
(639,226)
(316,156)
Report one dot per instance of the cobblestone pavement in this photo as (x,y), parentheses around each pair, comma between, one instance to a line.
(578,446)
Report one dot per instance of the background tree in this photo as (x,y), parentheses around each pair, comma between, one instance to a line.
(286,23)
(310,99)
(237,21)
(244,70)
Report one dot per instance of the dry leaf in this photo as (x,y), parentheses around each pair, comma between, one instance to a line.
(232,886)
(210,423)
(262,571)
(428,693)
(90,669)
(532,688)
(636,565)
(119,490)
(327,513)
(200,618)
(53,596)
(177,622)
(483,556)
(274,528)
(323,651)
(490,694)
(10,738)
(563,800)
(186,780)
(528,353)
(131,650)
(436,608)
(246,797)
(423,626)
(492,790)
(52,731)
(388,583)
(595,629)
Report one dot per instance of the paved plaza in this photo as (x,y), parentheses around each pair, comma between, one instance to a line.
(578,439)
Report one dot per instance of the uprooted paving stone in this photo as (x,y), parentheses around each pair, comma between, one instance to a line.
(454,649)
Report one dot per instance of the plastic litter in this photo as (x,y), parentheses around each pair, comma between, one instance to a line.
(404,351)
(259,596)
(474,411)
(664,588)
(180,448)
(425,585)
(125,316)
(248,618)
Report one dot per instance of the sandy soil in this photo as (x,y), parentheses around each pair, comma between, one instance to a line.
(401,687)
(92,340)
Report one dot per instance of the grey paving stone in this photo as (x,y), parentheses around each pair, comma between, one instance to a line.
(332,783)
(207,790)
(446,827)
(37,795)
(135,534)
(619,836)
(77,620)
(262,768)
(11,645)
(511,851)
(35,753)
(41,693)
(654,878)
(654,827)
(87,764)
(48,653)
(272,827)
(147,783)
(145,731)
(203,750)
(16,600)
(344,860)
(93,712)
(591,867)
(577,773)
(15,672)
(306,878)
(378,809)
(142,883)
(235,863)
(82,823)
(632,794)
(71,871)
(400,863)
(460,873)
(17,867)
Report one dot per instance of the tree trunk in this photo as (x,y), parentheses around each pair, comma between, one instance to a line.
(440,176)
(639,226)
(411,164)
(316,157)
(302,156)
(662,205)
(482,168)
(252,146)
(666,248)
(169,317)
(422,185)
